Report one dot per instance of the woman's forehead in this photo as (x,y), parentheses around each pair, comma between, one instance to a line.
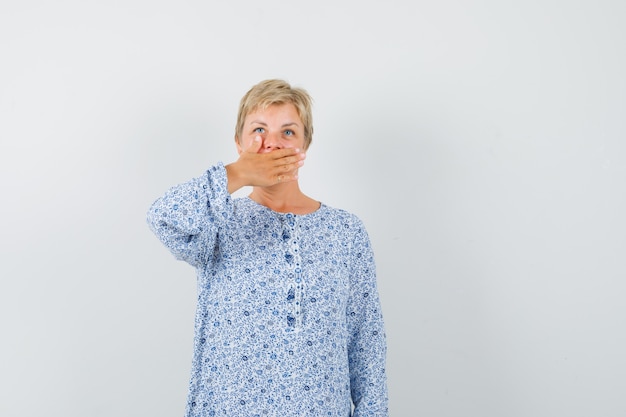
(274,110)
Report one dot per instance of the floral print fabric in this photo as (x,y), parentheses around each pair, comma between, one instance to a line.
(288,321)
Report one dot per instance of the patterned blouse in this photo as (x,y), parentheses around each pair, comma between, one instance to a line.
(288,321)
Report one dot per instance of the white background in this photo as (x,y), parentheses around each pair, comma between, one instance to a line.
(483,143)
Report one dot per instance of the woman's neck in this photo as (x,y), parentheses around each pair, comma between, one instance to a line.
(284,198)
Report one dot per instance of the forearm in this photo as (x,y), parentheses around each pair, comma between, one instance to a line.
(367,360)
(187,216)
(367,348)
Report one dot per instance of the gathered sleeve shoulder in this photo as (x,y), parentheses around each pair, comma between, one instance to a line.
(366,339)
(188,216)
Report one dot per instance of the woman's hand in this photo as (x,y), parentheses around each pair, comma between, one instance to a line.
(263,169)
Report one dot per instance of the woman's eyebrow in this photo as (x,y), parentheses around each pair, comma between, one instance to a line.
(258,122)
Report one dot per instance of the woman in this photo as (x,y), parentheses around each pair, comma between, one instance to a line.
(288,321)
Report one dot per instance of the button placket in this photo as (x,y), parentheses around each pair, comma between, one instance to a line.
(296,282)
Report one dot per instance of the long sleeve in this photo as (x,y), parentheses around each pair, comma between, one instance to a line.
(367,340)
(188,217)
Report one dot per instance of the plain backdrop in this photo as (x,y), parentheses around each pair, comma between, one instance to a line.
(483,143)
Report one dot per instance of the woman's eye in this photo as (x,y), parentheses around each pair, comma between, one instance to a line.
(289,132)
(259,130)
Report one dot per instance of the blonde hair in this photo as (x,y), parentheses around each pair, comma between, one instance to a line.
(269,92)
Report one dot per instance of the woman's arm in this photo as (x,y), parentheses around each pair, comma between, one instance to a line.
(187,218)
(366,340)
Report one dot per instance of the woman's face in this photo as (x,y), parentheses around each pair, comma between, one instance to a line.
(279,126)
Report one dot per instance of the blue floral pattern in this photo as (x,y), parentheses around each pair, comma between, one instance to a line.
(288,321)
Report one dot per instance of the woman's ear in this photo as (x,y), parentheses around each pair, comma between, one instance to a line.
(239,149)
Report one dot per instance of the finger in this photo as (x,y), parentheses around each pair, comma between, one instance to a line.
(284,153)
(284,173)
(291,176)
(255,145)
(291,165)
(289,158)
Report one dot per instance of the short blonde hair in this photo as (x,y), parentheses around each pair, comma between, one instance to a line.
(269,92)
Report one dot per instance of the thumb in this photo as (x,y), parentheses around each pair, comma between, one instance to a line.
(255,145)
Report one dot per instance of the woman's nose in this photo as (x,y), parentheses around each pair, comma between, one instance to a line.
(271,141)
